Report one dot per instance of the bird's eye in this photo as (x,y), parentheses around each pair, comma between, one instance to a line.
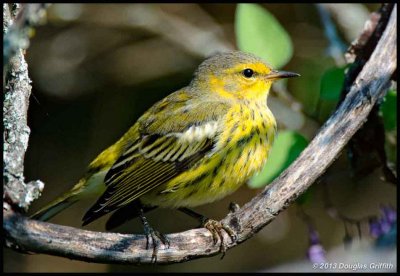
(248,73)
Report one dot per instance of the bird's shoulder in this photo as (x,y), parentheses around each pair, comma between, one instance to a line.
(180,111)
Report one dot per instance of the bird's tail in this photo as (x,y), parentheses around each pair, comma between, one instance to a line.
(54,208)
(91,185)
(59,204)
(86,187)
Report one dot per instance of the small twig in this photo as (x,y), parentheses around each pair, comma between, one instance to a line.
(336,46)
(358,44)
(200,40)
(361,49)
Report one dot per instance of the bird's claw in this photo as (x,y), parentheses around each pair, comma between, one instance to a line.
(155,236)
(215,227)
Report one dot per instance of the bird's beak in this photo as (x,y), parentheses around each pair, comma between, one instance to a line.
(275,75)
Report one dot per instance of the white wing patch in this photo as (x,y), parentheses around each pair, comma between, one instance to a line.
(198,133)
(188,142)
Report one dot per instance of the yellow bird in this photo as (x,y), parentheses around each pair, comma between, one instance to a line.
(197,145)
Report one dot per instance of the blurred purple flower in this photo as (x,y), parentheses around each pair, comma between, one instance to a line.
(314,237)
(315,253)
(383,225)
(389,213)
(374,228)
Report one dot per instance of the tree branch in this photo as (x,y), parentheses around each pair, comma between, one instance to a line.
(17,35)
(336,46)
(366,149)
(370,85)
(17,90)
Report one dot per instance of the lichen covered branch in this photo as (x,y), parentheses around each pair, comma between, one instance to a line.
(17,90)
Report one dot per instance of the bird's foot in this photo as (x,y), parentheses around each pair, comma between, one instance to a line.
(156,237)
(216,227)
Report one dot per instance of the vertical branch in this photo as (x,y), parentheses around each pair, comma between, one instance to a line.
(17,22)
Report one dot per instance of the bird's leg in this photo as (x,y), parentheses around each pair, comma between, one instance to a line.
(154,234)
(214,226)
(126,213)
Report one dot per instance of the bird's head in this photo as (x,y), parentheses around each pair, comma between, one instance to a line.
(237,75)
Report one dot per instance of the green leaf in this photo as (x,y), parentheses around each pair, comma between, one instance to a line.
(330,89)
(389,110)
(306,89)
(287,146)
(258,32)
(305,197)
(332,83)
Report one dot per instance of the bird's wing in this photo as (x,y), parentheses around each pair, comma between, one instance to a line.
(158,154)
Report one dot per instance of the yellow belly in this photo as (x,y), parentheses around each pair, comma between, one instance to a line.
(241,152)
